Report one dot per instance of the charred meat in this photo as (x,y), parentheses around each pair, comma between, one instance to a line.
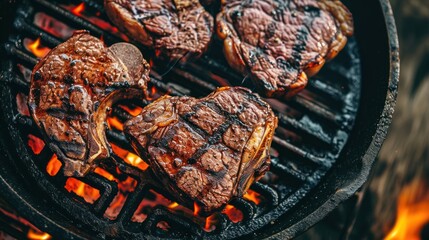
(280,43)
(174,28)
(73,88)
(206,150)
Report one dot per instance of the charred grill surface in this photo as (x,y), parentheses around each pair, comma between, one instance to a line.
(71,91)
(174,28)
(282,43)
(206,150)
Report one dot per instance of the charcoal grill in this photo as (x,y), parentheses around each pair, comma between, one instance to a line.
(322,153)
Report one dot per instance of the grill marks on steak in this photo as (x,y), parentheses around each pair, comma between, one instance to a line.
(72,89)
(174,28)
(281,43)
(206,150)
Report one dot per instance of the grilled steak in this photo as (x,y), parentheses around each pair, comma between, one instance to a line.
(72,89)
(280,43)
(206,150)
(174,28)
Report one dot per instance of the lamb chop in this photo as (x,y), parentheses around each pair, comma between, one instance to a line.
(72,90)
(206,150)
(280,43)
(174,28)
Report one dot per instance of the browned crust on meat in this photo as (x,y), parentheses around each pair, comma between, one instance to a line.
(206,150)
(174,28)
(71,90)
(262,38)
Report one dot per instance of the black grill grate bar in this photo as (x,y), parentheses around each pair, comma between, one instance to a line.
(322,88)
(278,168)
(194,79)
(161,214)
(312,107)
(75,20)
(109,191)
(305,127)
(302,153)
(25,58)
(29,29)
(247,208)
(270,194)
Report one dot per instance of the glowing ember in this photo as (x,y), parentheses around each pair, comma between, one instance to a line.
(125,187)
(78,9)
(104,173)
(151,200)
(115,207)
(163,225)
(136,161)
(153,94)
(173,205)
(88,193)
(115,123)
(21,103)
(130,158)
(233,213)
(134,111)
(412,212)
(253,196)
(35,48)
(210,224)
(37,235)
(197,209)
(54,165)
(52,25)
(36,144)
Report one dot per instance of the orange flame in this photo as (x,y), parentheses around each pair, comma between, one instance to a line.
(136,161)
(173,205)
(37,235)
(233,213)
(197,209)
(210,224)
(105,174)
(125,187)
(132,111)
(130,158)
(412,212)
(152,95)
(54,165)
(115,123)
(36,144)
(115,206)
(35,48)
(253,196)
(78,9)
(88,193)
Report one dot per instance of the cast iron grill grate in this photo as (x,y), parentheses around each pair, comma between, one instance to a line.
(313,129)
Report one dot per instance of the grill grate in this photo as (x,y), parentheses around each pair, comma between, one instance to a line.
(313,129)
